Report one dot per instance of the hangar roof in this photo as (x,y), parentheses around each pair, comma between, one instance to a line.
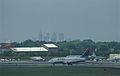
(27,49)
(50,45)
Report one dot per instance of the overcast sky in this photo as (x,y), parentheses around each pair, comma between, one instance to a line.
(98,20)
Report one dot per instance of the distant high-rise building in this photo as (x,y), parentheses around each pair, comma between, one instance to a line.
(40,36)
(54,37)
(61,37)
(47,37)
(44,38)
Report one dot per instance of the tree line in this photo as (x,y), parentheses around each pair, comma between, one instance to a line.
(75,46)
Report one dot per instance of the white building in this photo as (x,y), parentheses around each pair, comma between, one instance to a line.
(111,56)
(44,47)
(49,49)
(29,49)
(49,46)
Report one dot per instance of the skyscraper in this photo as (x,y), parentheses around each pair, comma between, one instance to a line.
(54,37)
(47,37)
(40,36)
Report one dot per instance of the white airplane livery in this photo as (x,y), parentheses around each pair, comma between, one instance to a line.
(71,59)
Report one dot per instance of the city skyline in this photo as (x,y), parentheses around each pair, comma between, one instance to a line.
(54,37)
(98,20)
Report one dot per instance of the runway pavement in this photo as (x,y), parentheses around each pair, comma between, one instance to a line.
(45,63)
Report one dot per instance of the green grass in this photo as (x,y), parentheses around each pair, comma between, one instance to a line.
(58,71)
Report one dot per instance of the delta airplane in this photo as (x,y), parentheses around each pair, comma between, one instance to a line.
(71,59)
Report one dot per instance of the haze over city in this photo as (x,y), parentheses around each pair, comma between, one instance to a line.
(98,20)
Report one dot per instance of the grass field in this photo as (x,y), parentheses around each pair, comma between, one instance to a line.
(58,71)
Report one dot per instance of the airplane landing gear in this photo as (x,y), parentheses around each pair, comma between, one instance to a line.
(69,63)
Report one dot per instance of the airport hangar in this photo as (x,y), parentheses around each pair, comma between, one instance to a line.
(44,50)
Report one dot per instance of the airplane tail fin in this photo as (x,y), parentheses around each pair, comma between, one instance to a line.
(86,53)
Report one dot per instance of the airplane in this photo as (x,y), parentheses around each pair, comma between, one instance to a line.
(70,59)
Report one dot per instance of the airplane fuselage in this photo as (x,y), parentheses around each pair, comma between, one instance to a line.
(70,59)
(66,60)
